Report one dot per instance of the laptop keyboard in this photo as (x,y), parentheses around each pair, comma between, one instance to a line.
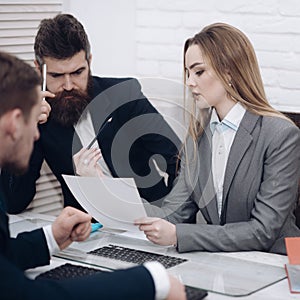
(136,256)
(71,271)
(68,271)
(194,293)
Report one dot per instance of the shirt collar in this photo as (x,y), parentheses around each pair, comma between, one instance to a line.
(231,121)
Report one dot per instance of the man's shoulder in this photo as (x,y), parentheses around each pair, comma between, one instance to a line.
(103,83)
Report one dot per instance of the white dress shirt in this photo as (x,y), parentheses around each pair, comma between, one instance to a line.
(223,135)
(86,132)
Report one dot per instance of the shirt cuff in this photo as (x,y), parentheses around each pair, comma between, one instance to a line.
(160,278)
(51,242)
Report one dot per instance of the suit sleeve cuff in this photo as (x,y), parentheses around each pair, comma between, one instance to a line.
(51,242)
(160,278)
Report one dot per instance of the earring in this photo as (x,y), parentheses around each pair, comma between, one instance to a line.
(229,83)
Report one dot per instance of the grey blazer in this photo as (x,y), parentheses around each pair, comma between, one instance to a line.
(259,196)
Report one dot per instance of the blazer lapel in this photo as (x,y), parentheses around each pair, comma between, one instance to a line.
(109,99)
(208,195)
(241,143)
(3,218)
(76,144)
(99,110)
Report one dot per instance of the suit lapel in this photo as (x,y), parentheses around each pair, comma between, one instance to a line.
(99,110)
(4,230)
(241,143)
(208,194)
(76,144)
(2,201)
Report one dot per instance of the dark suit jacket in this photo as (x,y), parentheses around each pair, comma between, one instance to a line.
(30,250)
(136,133)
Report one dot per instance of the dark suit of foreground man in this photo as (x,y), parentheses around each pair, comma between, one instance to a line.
(20,109)
(136,136)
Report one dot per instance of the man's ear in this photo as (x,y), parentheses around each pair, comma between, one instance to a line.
(90,59)
(37,66)
(13,123)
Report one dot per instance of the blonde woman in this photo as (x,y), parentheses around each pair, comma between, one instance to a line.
(240,167)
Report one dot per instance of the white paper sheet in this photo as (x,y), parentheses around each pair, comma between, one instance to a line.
(114,202)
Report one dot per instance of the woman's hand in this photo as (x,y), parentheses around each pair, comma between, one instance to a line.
(158,231)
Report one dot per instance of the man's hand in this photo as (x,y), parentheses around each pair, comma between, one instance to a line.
(177,291)
(71,225)
(158,231)
(86,162)
(45,107)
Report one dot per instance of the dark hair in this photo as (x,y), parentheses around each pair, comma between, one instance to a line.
(61,37)
(18,82)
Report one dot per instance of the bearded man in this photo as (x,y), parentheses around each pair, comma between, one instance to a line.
(133,138)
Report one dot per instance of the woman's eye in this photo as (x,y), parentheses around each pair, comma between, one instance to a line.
(198,73)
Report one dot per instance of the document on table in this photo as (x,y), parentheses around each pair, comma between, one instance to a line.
(114,202)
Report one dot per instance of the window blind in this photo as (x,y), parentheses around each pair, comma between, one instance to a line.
(19,21)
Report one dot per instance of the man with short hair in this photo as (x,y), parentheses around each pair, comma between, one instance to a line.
(133,138)
(20,109)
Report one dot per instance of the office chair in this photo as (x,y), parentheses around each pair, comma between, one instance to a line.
(297,210)
(296,119)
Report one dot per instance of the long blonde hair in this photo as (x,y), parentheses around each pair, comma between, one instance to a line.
(228,51)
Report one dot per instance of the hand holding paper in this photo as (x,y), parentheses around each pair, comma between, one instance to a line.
(114,202)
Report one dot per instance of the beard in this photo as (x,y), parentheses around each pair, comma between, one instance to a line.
(68,106)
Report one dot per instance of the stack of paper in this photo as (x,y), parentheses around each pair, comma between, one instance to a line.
(293,267)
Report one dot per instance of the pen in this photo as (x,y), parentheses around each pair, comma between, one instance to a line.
(100,130)
(96,226)
(44,78)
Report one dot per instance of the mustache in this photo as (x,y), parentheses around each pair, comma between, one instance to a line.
(66,95)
